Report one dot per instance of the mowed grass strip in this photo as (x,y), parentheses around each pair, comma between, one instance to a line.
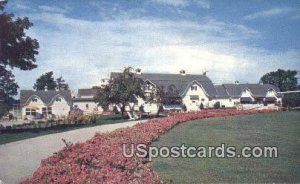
(281,129)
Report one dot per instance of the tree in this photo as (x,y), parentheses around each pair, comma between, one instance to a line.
(291,100)
(16,49)
(46,79)
(161,97)
(121,90)
(61,84)
(285,80)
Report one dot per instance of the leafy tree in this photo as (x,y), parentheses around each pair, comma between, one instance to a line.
(291,100)
(121,90)
(46,79)
(17,50)
(61,84)
(285,80)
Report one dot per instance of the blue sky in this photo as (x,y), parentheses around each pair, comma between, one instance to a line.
(233,40)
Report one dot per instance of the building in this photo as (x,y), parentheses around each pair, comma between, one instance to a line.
(229,95)
(85,101)
(45,103)
(192,89)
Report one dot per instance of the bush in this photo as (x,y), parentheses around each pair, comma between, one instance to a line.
(217,105)
(184,109)
(101,160)
(291,100)
(115,110)
(201,106)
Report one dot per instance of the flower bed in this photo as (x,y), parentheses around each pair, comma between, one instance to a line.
(100,159)
(71,120)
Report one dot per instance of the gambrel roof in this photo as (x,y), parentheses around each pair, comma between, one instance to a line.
(257,90)
(181,82)
(46,96)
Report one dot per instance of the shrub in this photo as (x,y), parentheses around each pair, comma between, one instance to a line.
(184,109)
(115,110)
(291,100)
(217,105)
(201,106)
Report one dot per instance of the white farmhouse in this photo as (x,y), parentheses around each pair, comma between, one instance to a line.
(85,101)
(45,103)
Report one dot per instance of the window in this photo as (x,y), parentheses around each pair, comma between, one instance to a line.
(202,99)
(86,106)
(28,111)
(58,99)
(194,88)
(230,99)
(33,112)
(34,100)
(44,110)
(194,97)
(49,110)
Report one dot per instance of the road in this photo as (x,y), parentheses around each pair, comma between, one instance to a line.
(19,160)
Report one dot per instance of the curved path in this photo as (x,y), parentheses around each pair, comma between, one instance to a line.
(18,160)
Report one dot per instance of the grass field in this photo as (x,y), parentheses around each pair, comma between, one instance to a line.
(11,137)
(281,129)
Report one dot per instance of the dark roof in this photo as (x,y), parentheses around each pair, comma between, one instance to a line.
(221,91)
(87,92)
(45,96)
(83,99)
(258,90)
(181,82)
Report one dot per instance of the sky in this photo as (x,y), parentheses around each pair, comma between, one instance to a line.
(84,40)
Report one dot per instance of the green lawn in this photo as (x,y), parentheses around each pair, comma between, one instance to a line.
(281,129)
(10,137)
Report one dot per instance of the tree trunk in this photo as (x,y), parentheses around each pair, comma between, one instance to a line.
(123,110)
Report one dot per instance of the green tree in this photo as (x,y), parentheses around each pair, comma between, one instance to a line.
(46,79)
(291,100)
(161,97)
(285,80)
(121,90)
(17,50)
(61,84)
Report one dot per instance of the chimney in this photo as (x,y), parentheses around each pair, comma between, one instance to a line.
(46,88)
(138,71)
(182,72)
(57,88)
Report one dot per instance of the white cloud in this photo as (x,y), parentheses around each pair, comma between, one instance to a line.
(86,51)
(53,9)
(183,3)
(172,2)
(268,13)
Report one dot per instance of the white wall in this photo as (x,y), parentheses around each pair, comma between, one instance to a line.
(247,93)
(60,108)
(194,106)
(92,107)
(272,93)
(228,103)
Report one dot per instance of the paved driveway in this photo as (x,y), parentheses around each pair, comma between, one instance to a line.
(18,160)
